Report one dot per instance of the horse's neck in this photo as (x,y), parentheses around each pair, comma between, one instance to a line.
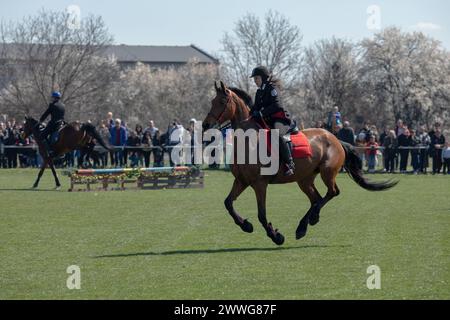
(241,114)
(36,132)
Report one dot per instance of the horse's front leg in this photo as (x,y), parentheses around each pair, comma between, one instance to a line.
(236,190)
(260,191)
(43,165)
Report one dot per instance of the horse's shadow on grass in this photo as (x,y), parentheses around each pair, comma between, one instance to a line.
(30,189)
(213,251)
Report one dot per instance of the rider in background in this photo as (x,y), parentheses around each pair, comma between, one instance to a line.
(56,111)
(269,107)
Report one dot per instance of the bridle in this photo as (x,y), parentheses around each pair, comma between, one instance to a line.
(219,119)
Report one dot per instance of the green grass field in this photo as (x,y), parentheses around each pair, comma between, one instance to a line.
(181,244)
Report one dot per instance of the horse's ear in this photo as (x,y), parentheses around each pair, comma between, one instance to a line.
(224,88)
(216,86)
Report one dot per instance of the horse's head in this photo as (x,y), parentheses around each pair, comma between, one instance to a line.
(222,107)
(29,127)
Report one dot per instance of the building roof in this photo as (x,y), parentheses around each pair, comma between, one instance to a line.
(145,54)
(160,54)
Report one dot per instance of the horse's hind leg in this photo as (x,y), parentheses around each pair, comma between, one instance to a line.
(314,197)
(260,191)
(329,178)
(52,167)
(236,190)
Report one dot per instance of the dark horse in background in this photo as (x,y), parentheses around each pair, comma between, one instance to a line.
(329,155)
(72,136)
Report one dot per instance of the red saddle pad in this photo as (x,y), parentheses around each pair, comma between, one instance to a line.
(300,146)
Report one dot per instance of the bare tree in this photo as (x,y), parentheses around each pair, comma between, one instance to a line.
(329,78)
(274,42)
(44,52)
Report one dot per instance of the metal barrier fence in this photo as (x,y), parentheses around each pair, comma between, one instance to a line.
(144,148)
(34,159)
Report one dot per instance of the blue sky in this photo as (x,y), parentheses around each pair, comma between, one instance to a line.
(201,22)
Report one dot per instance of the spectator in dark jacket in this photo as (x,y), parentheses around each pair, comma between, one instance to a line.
(437,126)
(118,139)
(424,151)
(437,144)
(347,134)
(366,131)
(135,155)
(3,163)
(146,143)
(10,139)
(383,135)
(404,142)
(415,153)
(390,147)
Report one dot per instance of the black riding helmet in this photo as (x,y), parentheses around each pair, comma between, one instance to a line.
(261,71)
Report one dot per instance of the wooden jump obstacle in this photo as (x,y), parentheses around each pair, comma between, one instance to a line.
(136,179)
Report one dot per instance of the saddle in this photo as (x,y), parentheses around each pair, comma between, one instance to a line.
(300,146)
(54,136)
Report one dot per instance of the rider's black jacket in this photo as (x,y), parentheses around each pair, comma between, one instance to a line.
(56,110)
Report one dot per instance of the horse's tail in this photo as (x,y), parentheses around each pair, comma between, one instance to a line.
(90,130)
(353,165)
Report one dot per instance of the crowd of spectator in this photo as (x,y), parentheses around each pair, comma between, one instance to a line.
(133,147)
(391,150)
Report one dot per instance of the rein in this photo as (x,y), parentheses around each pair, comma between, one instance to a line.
(219,119)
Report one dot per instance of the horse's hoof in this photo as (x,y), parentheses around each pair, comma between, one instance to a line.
(279,239)
(58,188)
(300,234)
(314,219)
(247,227)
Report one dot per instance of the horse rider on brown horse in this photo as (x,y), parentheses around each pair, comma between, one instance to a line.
(268,106)
(56,111)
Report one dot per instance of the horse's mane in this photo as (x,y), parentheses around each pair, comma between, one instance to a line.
(31,119)
(243,95)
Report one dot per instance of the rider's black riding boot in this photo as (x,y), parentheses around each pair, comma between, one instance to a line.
(46,143)
(286,156)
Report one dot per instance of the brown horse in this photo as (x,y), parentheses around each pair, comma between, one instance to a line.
(329,155)
(72,137)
